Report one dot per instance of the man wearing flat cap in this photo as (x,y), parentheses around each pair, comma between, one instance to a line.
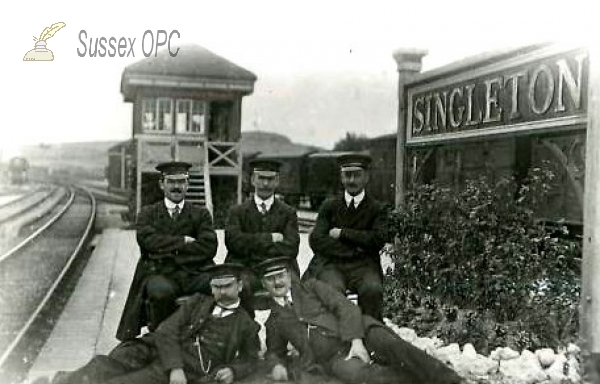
(332,336)
(262,227)
(208,339)
(348,235)
(176,241)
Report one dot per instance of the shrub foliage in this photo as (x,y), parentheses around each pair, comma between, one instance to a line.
(477,265)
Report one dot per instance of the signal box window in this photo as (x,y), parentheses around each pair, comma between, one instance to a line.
(157,115)
(190,116)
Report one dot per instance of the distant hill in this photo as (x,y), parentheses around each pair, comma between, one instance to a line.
(272,144)
(92,157)
(87,157)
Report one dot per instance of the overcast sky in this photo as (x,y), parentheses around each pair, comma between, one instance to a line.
(78,99)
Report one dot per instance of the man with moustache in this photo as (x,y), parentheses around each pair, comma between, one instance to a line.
(331,335)
(260,228)
(208,339)
(176,241)
(348,235)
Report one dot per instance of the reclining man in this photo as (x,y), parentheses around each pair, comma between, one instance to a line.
(208,339)
(331,334)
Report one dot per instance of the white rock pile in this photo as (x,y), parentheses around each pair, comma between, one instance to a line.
(503,364)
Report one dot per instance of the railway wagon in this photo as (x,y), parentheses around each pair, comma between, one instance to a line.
(315,176)
(186,108)
(292,175)
(382,176)
(118,172)
(323,176)
(18,170)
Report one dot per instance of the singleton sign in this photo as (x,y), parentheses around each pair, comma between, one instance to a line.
(544,89)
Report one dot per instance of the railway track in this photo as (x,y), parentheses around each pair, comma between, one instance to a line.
(24,203)
(31,273)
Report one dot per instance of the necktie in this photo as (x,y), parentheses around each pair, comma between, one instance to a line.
(352,206)
(263,208)
(175,214)
(220,312)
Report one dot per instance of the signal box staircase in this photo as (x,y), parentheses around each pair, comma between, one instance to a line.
(199,191)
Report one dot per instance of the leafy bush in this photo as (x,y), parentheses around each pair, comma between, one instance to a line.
(476,258)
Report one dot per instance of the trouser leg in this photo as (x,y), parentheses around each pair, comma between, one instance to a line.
(128,356)
(355,371)
(199,283)
(97,370)
(407,360)
(152,374)
(370,293)
(161,294)
(247,294)
(334,277)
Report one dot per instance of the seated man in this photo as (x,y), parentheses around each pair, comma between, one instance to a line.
(176,240)
(207,339)
(261,228)
(330,333)
(347,238)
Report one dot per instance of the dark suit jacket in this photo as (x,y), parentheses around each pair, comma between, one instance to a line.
(248,233)
(175,336)
(362,236)
(163,250)
(159,236)
(316,304)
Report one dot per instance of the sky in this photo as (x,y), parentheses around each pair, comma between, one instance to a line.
(76,98)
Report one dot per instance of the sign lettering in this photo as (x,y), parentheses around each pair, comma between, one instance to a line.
(533,91)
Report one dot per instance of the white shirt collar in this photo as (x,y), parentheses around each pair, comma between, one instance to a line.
(282,300)
(171,205)
(357,199)
(225,310)
(268,202)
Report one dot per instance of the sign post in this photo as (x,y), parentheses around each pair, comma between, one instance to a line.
(409,65)
(590,287)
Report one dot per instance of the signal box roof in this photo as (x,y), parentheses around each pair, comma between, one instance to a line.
(330,154)
(194,68)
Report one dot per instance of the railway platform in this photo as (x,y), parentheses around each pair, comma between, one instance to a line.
(89,321)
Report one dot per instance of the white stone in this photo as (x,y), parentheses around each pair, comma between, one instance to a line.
(389,323)
(573,349)
(546,356)
(438,343)
(556,371)
(495,354)
(503,353)
(508,354)
(469,351)
(476,365)
(407,334)
(525,369)
(574,377)
(426,344)
(574,373)
(448,354)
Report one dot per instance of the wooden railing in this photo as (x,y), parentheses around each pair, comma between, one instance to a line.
(207,187)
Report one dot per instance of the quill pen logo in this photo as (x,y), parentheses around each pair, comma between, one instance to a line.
(40,52)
